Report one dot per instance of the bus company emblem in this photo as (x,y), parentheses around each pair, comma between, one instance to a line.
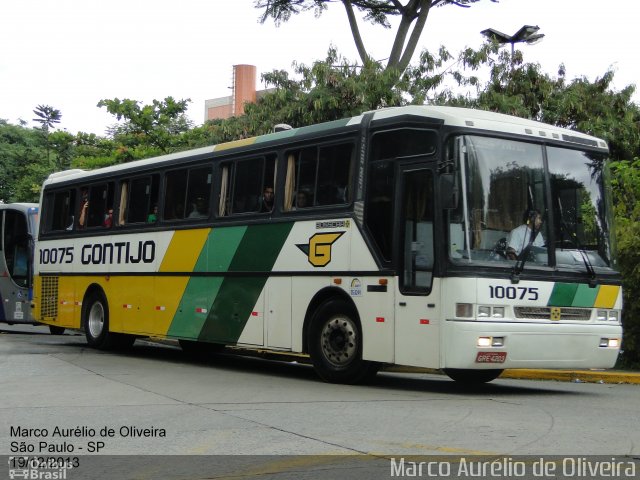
(318,250)
(556,313)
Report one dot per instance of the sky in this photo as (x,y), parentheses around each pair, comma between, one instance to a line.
(70,54)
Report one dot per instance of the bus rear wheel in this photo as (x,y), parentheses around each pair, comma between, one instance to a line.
(335,344)
(472,377)
(95,321)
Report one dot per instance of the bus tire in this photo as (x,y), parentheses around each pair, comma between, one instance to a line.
(95,321)
(472,377)
(56,330)
(335,344)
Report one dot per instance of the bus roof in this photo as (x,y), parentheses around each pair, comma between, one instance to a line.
(448,116)
(19,206)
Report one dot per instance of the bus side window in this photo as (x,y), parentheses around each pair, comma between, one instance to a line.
(318,176)
(60,211)
(334,174)
(199,192)
(100,199)
(138,202)
(175,191)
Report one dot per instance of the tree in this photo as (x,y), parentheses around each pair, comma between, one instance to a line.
(47,117)
(147,129)
(626,190)
(413,17)
(21,153)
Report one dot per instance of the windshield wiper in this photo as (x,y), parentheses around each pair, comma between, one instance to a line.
(583,253)
(588,265)
(522,258)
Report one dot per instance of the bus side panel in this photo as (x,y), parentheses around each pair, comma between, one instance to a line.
(375,308)
(277,313)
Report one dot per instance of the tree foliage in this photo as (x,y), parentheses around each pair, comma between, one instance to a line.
(413,17)
(147,129)
(22,159)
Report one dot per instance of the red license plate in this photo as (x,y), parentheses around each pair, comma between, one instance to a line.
(491,357)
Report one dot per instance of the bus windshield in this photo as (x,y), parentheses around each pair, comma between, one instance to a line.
(514,207)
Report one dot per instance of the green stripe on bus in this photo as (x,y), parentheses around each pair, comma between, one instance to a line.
(562,295)
(216,255)
(585,296)
(237,296)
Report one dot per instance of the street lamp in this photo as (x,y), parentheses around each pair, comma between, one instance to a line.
(527,34)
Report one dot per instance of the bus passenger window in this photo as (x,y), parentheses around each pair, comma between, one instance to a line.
(60,207)
(318,176)
(199,192)
(95,204)
(141,199)
(174,194)
(253,178)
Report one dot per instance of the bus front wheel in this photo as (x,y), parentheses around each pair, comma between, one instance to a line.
(95,321)
(472,377)
(335,344)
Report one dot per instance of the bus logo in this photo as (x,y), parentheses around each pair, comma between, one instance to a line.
(318,250)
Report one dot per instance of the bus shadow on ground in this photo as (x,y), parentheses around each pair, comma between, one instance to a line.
(265,364)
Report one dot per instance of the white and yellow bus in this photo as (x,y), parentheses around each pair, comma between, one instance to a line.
(389,241)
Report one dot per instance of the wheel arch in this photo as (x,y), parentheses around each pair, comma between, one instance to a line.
(92,289)
(318,299)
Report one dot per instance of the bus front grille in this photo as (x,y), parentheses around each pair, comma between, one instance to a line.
(49,296)
(545,313)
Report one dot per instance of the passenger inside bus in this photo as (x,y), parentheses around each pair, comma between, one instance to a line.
(84,209)
(108,219)
(153,216)
(198,208)
(302,200)
(266,202)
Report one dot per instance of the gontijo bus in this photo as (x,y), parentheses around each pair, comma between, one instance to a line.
(388,243)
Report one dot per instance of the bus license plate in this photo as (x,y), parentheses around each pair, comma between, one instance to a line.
(491,357)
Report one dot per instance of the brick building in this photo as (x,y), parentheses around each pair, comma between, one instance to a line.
(243,91)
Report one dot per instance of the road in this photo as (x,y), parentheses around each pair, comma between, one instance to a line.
(152,400)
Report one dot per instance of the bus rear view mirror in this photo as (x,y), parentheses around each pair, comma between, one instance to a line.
(448,191)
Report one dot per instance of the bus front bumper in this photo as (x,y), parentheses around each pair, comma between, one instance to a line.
(499,345)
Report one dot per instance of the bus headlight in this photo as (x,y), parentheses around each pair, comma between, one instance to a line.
(486,311)
(610,342)
(608,316)
(484,342)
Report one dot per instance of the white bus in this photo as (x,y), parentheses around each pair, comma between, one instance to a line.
(389,241)
(18,222)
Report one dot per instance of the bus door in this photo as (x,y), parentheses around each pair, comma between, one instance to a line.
(417,306)
(14,265)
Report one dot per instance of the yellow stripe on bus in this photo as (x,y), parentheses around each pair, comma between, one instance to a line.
(184,249)
(607,296)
